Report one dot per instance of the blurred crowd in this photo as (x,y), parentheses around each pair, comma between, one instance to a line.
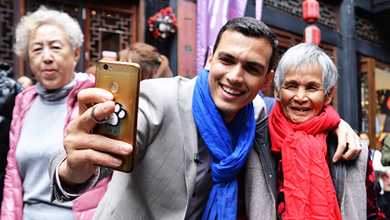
(212,147)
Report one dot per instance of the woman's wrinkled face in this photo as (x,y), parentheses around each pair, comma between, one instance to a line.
(302,94)
(51,58)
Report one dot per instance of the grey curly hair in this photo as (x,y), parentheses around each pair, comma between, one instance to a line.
(31,21)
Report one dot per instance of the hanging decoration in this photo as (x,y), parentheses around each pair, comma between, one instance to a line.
(311,13)
(312,34)
(163,24)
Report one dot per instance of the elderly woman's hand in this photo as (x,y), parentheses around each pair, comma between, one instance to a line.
(84,149)
(348,141)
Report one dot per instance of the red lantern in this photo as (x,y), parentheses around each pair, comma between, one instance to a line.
(312,34)
(310,11)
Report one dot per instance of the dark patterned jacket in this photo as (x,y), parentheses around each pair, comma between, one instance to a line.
(9,88)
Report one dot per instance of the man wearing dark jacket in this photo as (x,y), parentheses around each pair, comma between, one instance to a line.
(9,88)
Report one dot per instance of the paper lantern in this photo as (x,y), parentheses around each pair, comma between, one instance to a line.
(310,11)
(312,34)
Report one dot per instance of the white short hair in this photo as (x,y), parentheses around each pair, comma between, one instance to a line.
(30,22)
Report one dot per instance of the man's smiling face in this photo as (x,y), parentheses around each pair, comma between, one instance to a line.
(238,70)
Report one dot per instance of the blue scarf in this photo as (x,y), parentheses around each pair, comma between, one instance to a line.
(228,146)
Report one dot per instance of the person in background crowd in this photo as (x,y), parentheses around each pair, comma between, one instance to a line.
(364,136)
(193,136)
(25,81)
(9,88)
(50,40)
(386,150)
(382,174)
(152,63)
(296,156)
(269,102)
(91,70)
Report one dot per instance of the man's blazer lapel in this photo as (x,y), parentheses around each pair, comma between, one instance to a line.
(190,134)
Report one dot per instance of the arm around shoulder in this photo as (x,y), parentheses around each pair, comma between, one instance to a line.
(386,152)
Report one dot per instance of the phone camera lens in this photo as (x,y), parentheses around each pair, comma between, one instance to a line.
(105,67)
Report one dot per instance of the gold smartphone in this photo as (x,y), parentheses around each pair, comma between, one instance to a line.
(122,79)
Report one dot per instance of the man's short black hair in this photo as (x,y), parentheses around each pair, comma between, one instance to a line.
(251,27)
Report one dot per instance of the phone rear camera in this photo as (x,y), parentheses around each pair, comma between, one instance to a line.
(105,67)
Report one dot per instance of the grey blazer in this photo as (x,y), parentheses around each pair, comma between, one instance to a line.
(164,176)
